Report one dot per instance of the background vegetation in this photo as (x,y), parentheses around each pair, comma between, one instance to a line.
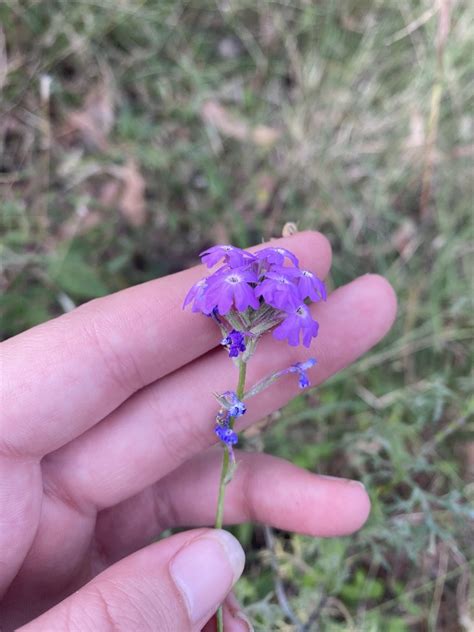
(134,133)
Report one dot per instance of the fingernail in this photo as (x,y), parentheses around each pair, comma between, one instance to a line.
(349,481)
(244,619)
(205,570)
(358,483)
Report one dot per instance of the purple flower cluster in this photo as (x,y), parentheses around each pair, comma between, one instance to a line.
(249,284)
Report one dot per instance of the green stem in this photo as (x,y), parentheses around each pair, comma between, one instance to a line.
(241,383)
(220,499)
(224,472)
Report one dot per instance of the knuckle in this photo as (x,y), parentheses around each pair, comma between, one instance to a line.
(109,608)
(119,363)
(179,433)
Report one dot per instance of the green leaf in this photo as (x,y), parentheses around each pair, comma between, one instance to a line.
(74,276)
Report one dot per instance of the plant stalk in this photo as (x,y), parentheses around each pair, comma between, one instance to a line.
(224,476)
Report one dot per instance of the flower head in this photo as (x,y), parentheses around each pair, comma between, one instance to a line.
(298,321)
(234,257)
(269,282)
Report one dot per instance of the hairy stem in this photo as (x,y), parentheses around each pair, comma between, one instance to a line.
(224,476)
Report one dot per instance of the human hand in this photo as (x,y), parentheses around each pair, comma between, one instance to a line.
(106,440)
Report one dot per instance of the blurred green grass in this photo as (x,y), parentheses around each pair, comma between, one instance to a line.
(222,121)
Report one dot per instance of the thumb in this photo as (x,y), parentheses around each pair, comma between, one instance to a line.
(174,584)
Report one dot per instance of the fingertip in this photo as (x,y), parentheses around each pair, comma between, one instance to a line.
(383,293)
(359,504)
(316,251)
(233,549)
(348,509)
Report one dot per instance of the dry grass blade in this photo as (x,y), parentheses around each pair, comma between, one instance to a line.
(131,201)
(444,21)
(94,122)
(230,125)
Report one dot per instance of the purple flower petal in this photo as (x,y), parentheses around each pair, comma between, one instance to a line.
(197,295)
(231,288)
(278,289)
(298,322)
(276,256)
(309,286)
(226,435)
(235,257)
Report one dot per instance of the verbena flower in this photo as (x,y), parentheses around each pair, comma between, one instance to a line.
(276,256)
(309,286)
(255,293)
(197,296)
(278,288)
(235,343)
(234,257)
(301,368)
(226,434)
(230,403)
(235,407)
(229,288)
(298,323)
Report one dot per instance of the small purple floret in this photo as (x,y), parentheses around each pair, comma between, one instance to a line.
(235,343)
(231,288)
(234,257)
(226,434)
(298,321)
(309,286)
(232,404)
(276,256)
(278,288)
(197,295)
(301,368)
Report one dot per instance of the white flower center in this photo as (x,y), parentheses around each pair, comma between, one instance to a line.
(233,278)
(306,273)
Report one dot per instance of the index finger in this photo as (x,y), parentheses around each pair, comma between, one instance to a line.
(62,377)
